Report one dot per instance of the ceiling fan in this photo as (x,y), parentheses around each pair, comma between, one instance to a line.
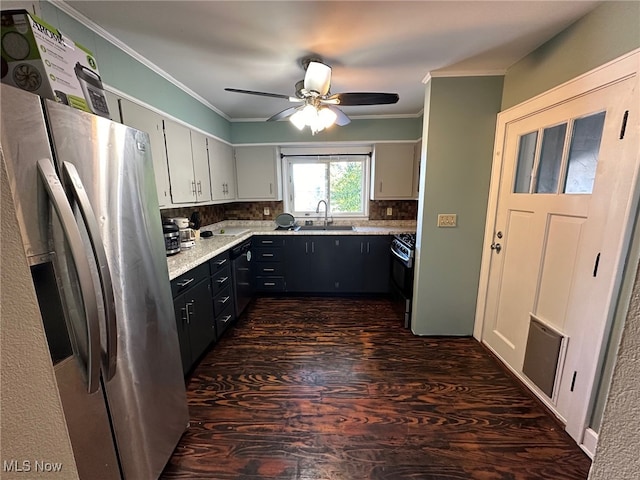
(318,107)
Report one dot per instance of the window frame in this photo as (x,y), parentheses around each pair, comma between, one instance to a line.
(299,156)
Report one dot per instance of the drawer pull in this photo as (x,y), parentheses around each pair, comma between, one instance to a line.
(221,262)
(267,254)
(226,319)
(223,300)
(268,269)
(222,280)
(266,242)
(185,282)
(269,284)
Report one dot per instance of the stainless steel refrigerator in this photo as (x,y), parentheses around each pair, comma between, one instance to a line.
(86,201)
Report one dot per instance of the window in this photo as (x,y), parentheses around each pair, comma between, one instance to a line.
(556,168)
(340,180)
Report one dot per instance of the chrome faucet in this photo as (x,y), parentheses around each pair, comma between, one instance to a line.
(326,208)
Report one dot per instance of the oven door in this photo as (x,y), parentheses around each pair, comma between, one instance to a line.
(402,288)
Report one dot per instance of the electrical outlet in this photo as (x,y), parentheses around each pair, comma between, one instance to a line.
(447,219)
(389,211)
(266,210)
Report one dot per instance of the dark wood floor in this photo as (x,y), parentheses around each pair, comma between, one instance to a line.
(336,389)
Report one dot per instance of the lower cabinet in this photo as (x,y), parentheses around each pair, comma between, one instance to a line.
(203,305)
(349,264)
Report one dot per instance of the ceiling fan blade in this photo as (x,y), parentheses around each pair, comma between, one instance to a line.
(287,112)
(262,94)
(365,98)
(341,117)
(318,78)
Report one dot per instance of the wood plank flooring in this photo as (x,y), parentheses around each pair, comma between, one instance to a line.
(336,389)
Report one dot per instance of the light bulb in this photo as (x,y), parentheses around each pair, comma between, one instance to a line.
(298,119)
(327,117)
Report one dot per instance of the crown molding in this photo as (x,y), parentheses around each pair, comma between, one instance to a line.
(463,73)
(97,29)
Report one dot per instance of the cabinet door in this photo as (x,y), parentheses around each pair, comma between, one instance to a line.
(258,172)
(199,305)
(222,172)
(180,161)
(393,171)
(200,166)
(180,308)
(309,264)
(148,121)
(376,263)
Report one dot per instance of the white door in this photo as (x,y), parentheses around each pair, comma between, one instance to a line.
(565,195)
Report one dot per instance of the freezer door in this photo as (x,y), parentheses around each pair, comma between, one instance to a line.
(146,396)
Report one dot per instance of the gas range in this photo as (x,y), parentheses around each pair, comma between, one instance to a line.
(403,246)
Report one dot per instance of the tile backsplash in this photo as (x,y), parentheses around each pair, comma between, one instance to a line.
(401,210)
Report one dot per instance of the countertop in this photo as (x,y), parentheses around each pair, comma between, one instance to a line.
(238,231)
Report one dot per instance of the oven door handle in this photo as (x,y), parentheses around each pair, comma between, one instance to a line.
(401,257)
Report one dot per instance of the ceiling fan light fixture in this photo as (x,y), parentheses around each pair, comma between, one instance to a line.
(327,117)
(298,119)
(318,78)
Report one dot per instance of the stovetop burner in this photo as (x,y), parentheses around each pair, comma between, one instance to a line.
(409,239)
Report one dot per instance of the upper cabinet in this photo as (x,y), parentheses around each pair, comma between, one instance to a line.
(393,171)
(188,164)
(221,170)
(258,173)
(201,169)
(148,121)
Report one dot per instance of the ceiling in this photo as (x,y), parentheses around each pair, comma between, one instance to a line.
(378,46)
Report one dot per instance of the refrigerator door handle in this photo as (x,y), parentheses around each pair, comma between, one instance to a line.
(80,194)
(58,199)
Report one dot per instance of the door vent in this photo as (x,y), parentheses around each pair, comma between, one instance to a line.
(542,355)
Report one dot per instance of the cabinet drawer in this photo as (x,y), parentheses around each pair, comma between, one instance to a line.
(265,254)
(220,280)
(259,241)
(222,301)
(269,284)
(189,279)
(224,320)
(269,269)
(219,262)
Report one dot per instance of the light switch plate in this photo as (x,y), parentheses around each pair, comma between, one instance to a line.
(266,210)
(447,219)
(389,211)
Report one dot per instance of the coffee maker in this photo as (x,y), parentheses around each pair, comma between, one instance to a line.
(187,234)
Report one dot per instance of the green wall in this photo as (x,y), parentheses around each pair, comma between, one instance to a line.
(459,128)
(364,130)
(604,34)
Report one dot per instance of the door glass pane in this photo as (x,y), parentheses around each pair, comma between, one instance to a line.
(551,159)
(526,155)
(583,153)
(310,185)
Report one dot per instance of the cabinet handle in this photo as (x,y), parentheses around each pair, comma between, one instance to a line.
(268,269)
(269,284)
(185,282)
(361,248)
(266,242)
(221,262)
(368,247)
(223,300)
(306,247)
(313,247)
(193,187)
(226,319)
(184,315)
(270,188)
(189,313)
(222,280)
(199,187)
(267,255)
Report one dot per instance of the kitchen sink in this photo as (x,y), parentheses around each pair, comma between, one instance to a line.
(327,228)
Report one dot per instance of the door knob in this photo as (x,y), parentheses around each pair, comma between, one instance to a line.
(496,246)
